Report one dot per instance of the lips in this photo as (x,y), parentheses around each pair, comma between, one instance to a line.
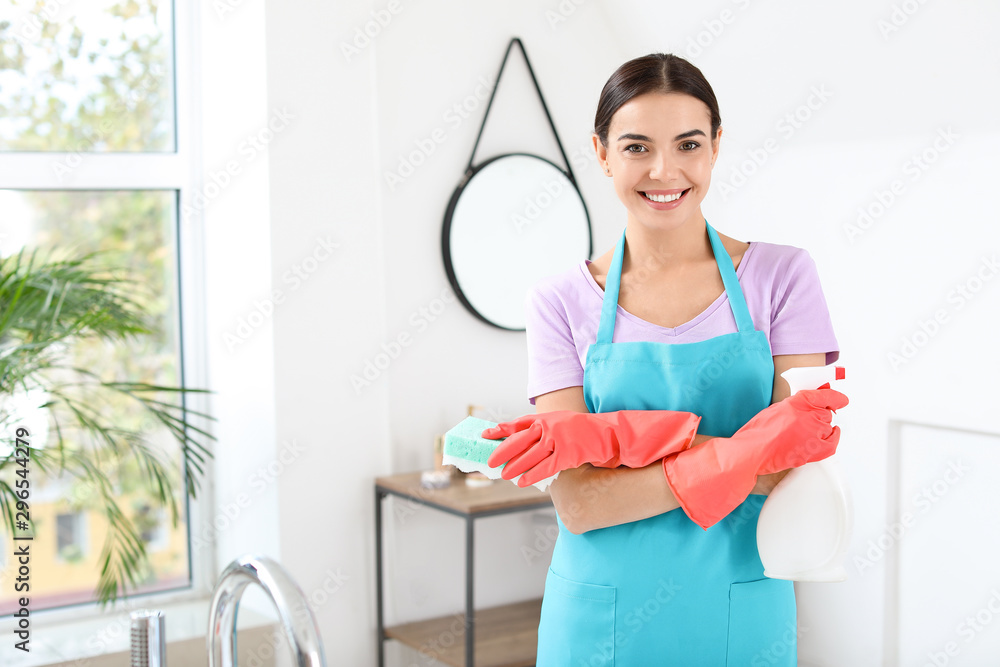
(664,199)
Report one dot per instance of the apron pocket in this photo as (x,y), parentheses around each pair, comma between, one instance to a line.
(577,626)
(762,630)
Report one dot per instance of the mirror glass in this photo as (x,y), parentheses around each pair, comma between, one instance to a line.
(517,219)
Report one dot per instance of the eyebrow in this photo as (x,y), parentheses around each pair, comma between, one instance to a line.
(643,137)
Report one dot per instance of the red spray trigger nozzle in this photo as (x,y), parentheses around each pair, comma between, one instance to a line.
(840,371)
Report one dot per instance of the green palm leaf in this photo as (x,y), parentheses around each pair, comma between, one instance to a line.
(46,305)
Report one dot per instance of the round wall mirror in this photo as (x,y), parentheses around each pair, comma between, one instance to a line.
(516,219)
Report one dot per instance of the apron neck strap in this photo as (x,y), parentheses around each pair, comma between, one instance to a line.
(733,291)
(612,286)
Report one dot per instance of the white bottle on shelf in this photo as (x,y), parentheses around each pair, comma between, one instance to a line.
(805,524)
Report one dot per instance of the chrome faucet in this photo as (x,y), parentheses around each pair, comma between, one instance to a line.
(302,632)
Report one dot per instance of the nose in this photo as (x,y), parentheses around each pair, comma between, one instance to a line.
(663,167)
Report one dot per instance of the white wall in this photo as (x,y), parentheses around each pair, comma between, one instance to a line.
(354,117)
(237,234)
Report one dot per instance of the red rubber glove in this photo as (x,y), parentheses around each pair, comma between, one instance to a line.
(711,480)
(540,445)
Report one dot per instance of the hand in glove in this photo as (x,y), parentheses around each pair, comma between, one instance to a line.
(711,480)
(538,446)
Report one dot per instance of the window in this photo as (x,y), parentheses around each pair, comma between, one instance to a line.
(154,529)
(71,542)
(95,156)
(88,79)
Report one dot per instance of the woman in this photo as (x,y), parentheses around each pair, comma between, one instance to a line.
(677,329)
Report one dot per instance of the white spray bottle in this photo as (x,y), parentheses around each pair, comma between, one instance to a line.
(805,524)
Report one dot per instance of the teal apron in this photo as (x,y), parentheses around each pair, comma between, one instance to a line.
(663,591)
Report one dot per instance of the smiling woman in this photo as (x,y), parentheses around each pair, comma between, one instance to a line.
(677,322)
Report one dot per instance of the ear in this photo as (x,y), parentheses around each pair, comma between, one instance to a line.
(602,153)
(715,145)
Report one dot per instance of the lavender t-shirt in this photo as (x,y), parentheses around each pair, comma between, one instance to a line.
(780,285)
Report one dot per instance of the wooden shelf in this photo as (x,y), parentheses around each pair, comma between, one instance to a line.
(506,636)
(498,496)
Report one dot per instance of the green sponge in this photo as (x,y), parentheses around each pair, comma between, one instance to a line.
(465,449)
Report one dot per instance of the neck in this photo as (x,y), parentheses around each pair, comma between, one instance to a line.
(666,249)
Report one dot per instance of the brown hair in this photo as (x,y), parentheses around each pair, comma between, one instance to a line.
(655,73)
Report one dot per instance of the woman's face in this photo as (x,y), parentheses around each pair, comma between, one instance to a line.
(660,152)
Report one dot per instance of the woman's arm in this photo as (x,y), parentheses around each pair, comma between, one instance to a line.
(589,497)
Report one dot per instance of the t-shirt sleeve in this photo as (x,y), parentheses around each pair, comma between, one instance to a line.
(553,361)
(800,319)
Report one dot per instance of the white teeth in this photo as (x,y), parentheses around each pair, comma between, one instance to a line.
(663,199)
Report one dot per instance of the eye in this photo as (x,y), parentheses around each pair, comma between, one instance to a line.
(635,148)
(690,145)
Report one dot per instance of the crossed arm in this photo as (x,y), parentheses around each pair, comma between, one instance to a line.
(588,497)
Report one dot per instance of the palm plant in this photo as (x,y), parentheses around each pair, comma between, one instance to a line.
(46,306)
